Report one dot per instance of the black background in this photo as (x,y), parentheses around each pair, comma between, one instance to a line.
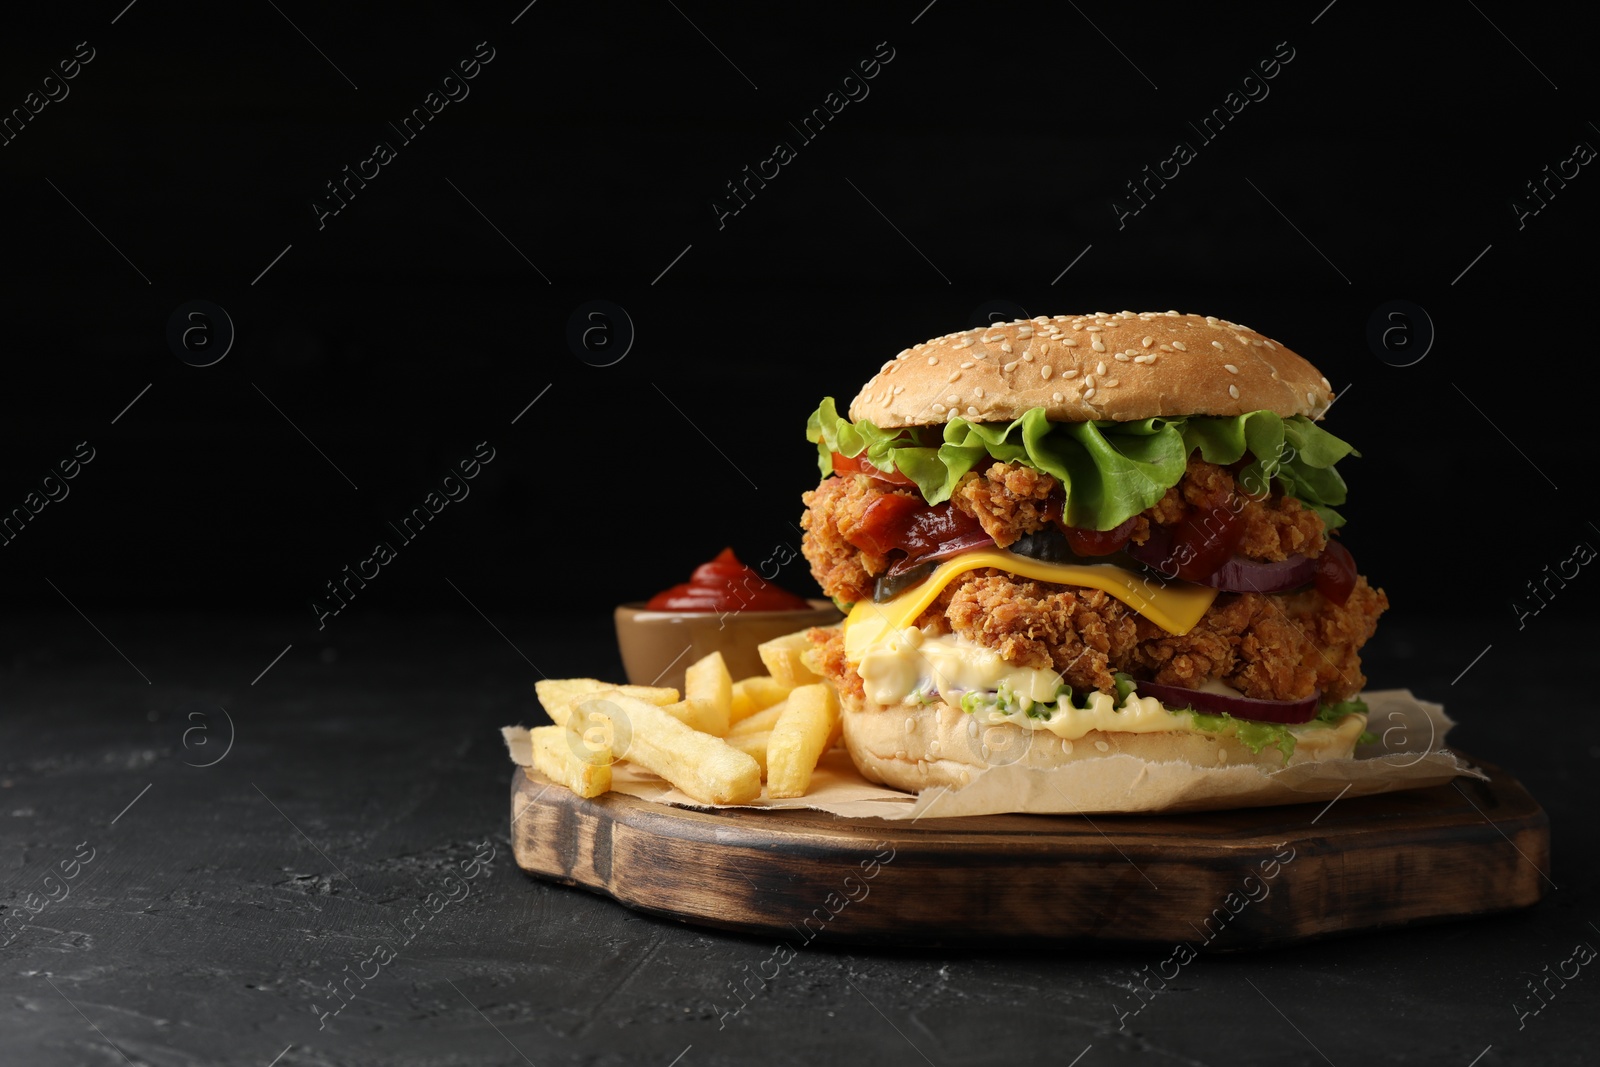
(585,165)
(407,329)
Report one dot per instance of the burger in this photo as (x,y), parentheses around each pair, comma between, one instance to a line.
(1072,537)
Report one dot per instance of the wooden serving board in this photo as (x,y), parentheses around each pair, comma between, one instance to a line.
(1214,880)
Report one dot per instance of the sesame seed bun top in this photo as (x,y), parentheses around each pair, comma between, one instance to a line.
(1079,368)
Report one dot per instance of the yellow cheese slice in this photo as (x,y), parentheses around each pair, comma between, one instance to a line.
(1175,606)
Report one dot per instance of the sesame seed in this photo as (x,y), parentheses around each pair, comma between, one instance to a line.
(978,393)
(1077,326)
(1093,329)
(1141,359)
(953,398)
(1056,397)
(967,365)
(1024,332)
(1166,348)
(1088,393)
(933,361)
(971,410)
(1005,346)
(1327,384)
(1230,368)
(1272,346)
(1044,371)
(1211,319)
(1111,383)
(1070,372)
(1216,344)
(899,389)
(1097,346)
(1121,357)
(1179,346)
(1146,341)
(954,375)
(1069,342)
(938,409)
(965,342)
(884,402)
(1100,368)
(1233,391)
(1088,381)
(1256,342)
(1063,318)
(1009,367)
(1045,319)
(1028,355)
(991,340)
(1311,398)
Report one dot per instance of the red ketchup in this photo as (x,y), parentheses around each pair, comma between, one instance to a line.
(724,585)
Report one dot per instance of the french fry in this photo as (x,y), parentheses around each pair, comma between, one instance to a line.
(752,694)
(781,657)
(706,768)
(708,688)
(804,731)
(559,694)
(759,723)
(697,715)
(752,743)
(591,735)
(557,759)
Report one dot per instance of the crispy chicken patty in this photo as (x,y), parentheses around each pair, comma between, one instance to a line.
(1011,499)
(1269,646)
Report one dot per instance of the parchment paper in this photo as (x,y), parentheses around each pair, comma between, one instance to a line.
(1409,754)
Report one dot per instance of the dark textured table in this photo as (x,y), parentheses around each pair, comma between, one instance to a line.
(346,830)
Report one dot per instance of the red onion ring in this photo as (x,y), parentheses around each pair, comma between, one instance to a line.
(1237,575)
(1244,575)
(1240,707)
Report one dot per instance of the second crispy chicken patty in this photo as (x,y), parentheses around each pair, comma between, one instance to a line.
(1267,646)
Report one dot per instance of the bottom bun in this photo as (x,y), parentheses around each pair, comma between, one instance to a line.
(914,747)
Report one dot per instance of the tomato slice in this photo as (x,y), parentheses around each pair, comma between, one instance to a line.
(882,523)
(898,521)
(843,464)
(1098,542)
(1336,573)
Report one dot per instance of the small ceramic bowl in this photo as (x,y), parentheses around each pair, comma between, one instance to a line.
(657,646)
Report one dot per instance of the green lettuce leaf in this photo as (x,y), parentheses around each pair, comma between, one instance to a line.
(1332,713)
(1110,471)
